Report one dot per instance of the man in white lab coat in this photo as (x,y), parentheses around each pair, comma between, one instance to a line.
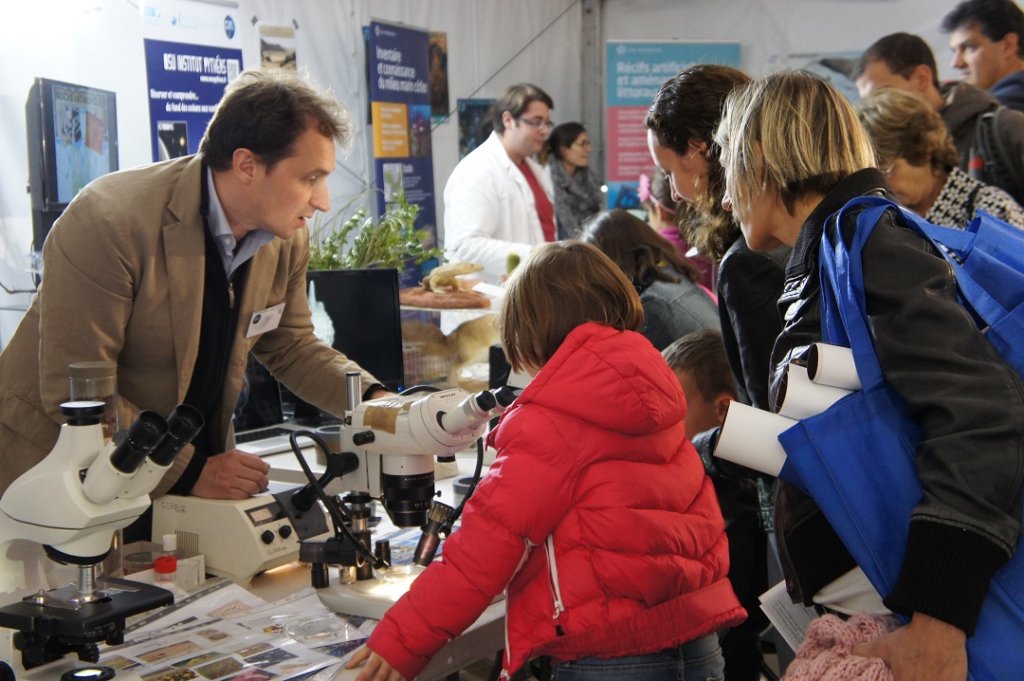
(497,201)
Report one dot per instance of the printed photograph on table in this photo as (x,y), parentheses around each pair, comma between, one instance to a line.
(170,674)
(249,651)
(222,667)
(199,659)
(171,651)
(253,675)
(119,662)
(270,657)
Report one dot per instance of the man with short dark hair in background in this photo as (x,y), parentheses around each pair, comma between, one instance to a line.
(905,61)
(986,38)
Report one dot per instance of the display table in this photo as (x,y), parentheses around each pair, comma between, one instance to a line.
(481,641)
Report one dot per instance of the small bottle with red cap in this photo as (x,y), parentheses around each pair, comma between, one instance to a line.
(165,567)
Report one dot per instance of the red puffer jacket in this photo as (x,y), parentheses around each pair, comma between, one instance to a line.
(593,454)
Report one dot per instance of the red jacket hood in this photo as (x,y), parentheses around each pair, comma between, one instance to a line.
(642,396)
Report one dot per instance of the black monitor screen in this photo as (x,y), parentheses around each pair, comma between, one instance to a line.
(364,319)
(72,140)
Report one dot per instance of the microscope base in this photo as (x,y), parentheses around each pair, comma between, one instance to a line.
(369,597)
(49,632)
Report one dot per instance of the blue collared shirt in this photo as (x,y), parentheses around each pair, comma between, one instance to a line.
(232,253)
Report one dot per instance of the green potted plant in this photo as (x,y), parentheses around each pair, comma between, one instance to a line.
(392,241)
(353,277)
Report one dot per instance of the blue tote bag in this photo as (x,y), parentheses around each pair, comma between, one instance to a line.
(856,459)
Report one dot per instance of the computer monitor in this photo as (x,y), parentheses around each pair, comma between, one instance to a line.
(72,140)
(364,312)
(363,321)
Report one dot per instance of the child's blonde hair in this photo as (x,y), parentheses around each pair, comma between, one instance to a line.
(560,286)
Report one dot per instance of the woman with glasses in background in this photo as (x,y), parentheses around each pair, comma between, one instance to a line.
(577,192)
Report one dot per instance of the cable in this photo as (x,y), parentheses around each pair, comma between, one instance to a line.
(473,483)
(412,390)
(339,524)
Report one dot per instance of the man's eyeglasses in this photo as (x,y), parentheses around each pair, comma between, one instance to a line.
(537,123)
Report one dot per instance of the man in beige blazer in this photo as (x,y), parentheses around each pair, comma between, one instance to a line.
(172,271)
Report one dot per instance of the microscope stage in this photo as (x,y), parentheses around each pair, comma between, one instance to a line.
(88,623)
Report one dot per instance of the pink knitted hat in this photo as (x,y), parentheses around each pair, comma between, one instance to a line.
(825,654)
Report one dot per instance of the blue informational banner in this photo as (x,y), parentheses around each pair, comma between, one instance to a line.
(400,111)
(185,84)
(635,72)
(636,69)
(192,52)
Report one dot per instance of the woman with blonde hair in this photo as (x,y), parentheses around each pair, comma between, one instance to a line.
(916,153)
(794,153)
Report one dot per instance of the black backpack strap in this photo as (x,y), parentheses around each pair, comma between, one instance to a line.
(992,142)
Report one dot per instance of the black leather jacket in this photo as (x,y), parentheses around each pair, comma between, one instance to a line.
(968,402)
(749,285)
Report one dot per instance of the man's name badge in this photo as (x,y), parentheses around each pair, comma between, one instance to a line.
(265,320)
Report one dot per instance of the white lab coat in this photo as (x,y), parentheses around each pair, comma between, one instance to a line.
(489,211)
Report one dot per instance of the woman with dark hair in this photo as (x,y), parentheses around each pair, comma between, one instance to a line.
(674,303)
(680,126)
(577,192)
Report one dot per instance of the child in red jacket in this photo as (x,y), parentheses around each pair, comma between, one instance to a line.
(596,518)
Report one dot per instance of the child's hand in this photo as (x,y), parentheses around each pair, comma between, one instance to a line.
(376,669)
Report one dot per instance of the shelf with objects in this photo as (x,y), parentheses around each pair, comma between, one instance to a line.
(448,327)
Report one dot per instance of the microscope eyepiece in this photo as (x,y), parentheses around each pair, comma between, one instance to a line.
(183,424)
(142,437)
(485,400)
(504,396)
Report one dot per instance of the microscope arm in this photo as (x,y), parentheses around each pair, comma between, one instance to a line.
(80,513)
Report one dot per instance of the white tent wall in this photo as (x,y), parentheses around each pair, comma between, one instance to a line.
(491,43)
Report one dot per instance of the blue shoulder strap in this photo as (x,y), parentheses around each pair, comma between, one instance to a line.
(987,259)
(842,283)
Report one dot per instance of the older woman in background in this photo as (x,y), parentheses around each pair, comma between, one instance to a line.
(577,192)
(916,153)
(674,303)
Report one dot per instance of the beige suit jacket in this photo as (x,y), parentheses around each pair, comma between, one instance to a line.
(123,272)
